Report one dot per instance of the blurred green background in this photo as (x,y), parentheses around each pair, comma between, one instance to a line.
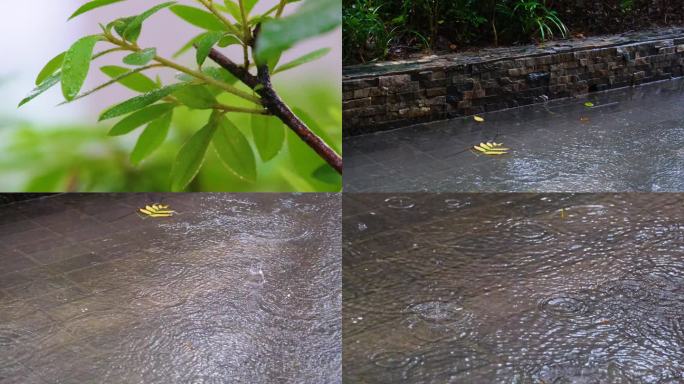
(45,148)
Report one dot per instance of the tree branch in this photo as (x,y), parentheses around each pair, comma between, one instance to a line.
(274,104)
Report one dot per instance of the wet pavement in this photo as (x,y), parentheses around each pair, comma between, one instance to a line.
(513,288)
(234,289)
(630,140)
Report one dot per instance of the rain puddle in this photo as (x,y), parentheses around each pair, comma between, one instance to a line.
(230,288)
(622,140)
(513,288)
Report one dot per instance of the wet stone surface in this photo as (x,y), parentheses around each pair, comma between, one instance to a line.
(234,289)
(522,288)
(631,140)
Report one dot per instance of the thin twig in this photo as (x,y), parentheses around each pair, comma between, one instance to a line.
(197,74)
(208,4)
(274,104)
(228,108)
(247,33)
(281,8)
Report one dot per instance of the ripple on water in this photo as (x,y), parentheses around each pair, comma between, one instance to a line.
(526,231)
(103,329)
(565,374)
(295,305)
(165,296)
(444,363)
(529,170)
(391,359)
(596,296)
(435,320)
(456,204)
(275,229)
(628,289)
(574,307)
(438,312)
(16,345)
(400,202)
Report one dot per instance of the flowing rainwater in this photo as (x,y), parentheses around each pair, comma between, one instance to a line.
(234,288)
(631,139)
(514,288)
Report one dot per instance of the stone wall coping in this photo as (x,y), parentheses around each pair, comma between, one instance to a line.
(491,55)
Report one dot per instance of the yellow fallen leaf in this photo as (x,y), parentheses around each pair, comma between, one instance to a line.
(479,119)
(157,210)
(161,215)
(589,104)
(584,119)
(491,148)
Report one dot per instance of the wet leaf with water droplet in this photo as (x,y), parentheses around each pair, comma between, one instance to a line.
(76,65)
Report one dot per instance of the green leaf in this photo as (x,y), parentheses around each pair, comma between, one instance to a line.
(309,57)
(120,25)
(229,40)
(272,61)
(133,28)
(328,175)
(269,135)
(220,74)
(141,57)
(117,79)
(205,44)
(140,118)
(249,5)
(215,72)
(136,81)
(233,9)
(50,68)
(198,17)
(40,89)
(89,6)
(234,150)
(196,97)
(188,45)
(49,181)
(140,102)
(313,18)
(191,156)
(76,65)
(152,137)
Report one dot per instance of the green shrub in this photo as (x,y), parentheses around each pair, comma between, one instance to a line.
(537,20)
(366,37)
(374,29)
(226,88)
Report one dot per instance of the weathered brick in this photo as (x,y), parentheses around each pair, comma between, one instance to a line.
(459,87)
(361,93)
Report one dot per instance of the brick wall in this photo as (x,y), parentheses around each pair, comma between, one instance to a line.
(390,95)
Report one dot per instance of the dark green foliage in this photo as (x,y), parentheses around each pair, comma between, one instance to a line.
(387,29)
(378,29)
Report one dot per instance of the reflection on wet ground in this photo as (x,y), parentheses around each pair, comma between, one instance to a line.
(513,288)
(631,140)
(235,288)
